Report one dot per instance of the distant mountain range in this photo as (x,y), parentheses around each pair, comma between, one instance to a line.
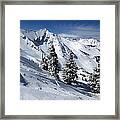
(35,43)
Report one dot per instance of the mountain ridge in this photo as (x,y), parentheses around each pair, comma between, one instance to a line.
(37,83)
(84,50)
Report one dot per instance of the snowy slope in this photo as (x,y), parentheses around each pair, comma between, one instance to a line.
(83,49)
(40,86)
(33,44)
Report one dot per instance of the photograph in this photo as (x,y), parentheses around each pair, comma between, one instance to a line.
(60,60)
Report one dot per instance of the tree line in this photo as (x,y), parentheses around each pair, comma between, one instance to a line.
(69,72)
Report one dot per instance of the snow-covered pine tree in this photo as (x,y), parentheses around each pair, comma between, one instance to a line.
(44,63)
(94,80)
(70,71)
(53,64)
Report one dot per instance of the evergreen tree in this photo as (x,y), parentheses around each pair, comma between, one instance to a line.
(70,70)
(53,64)
(94,80)
(44,63)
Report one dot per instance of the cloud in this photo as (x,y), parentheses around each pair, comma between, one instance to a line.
(82,27)
(81,31)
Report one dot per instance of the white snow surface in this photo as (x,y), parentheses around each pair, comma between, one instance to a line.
(40,85)
(43,87)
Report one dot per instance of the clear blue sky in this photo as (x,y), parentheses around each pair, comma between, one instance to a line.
(80,28)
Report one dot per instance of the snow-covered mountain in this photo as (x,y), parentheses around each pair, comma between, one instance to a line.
(37,42)
(34,44)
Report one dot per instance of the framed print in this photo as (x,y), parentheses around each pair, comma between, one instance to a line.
(60,60)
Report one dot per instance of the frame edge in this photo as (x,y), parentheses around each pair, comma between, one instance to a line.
(2,63)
